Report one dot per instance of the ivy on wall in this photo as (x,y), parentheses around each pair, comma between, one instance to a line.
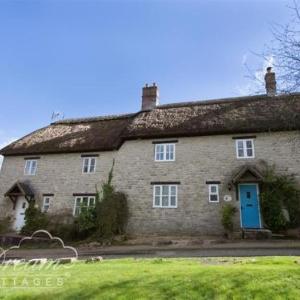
(280,200)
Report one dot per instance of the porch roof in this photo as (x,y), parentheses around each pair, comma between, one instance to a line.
(19,189)
(247,173)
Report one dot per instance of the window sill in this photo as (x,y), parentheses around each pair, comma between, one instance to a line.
(163,207)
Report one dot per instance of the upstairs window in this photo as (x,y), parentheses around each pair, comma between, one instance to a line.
(83,203)
(89,165)
(46,203)
(164,152)
(30,167)
(245,148)
(165,196)
(213,190)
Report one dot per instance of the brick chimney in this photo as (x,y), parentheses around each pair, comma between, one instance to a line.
(150,97)
(270,82)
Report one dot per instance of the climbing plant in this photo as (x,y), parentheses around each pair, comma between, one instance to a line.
(108,218)
(280,200)
(111,210)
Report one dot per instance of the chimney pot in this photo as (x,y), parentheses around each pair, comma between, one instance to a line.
(150,97)
(270,82)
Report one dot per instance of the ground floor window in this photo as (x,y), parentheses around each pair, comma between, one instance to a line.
(83,203)
(213,190)
(46,203)
(165,196)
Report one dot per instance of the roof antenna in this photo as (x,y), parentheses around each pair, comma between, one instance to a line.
(56,116)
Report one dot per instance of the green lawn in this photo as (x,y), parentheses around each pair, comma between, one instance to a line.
(210,278)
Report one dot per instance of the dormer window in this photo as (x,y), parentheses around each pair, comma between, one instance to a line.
(244,148)
(165,152)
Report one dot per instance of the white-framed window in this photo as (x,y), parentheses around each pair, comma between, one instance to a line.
(165,196)
(164,152)
(244,148)
(83,203)
(89,165)
(30,167)
(213,191)
(46,203)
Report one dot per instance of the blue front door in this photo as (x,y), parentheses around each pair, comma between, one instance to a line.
(249,206)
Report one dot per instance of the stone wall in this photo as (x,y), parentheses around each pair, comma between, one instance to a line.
(198,159)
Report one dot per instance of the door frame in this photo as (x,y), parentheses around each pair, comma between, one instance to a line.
(258,200)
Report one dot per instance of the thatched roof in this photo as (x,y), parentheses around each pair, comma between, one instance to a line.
(225,116)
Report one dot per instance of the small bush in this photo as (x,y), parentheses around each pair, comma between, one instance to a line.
(34,219)
(228,211)
(85,223)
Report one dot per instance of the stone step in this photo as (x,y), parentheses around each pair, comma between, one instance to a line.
(256,234)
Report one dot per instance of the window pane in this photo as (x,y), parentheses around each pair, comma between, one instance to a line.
(85,165)
(240,144)
(249,144)
(78,201)
(169,152)
(157,191)
(92,201)
(27,167)
(85,201)
(33,166)
(213,197)
(159,152)
(173,201)
(167,156)
(165,190)
(213,189)
(157,201)
(92,165)
(165,201)
(241,153)
(173,190)
(249,152)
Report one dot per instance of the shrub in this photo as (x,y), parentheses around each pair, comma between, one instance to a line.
(280,192)
(85,223)
(228,211)
(34,219)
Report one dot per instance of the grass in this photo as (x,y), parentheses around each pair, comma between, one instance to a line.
(206,278)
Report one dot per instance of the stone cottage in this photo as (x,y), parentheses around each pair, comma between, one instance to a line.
(178,163)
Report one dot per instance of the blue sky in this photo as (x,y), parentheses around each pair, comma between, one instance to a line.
(87,58)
